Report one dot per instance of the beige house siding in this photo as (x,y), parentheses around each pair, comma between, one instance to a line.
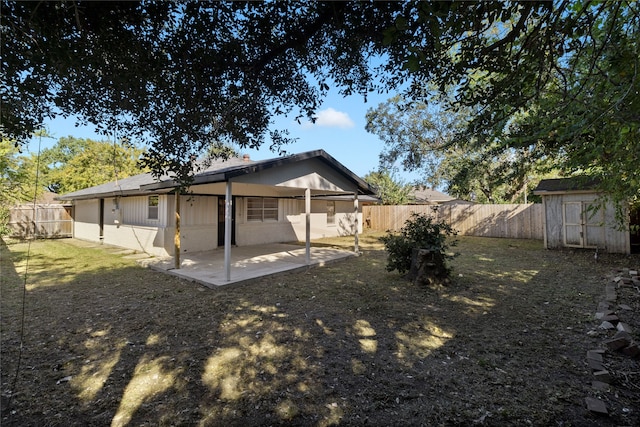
(126,223)
(86,224)
(291,226)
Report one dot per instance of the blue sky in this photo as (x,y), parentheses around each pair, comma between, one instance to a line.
(339,130)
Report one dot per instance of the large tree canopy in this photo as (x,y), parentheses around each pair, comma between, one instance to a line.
(76,163)
(71,164)
(389,189)
(16,181)
(434,141)
(183,75)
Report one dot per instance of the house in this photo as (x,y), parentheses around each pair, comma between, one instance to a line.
(234,202)
(428,196)
(576,215)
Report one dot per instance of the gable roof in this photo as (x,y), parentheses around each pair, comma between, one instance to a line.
(217,171)
(577,184)
(227,173)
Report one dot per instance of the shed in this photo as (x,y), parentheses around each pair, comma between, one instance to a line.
(578,215)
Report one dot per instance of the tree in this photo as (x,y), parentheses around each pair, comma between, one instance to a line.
(588,119)
(17,184)
(416,135)
(183,75)
(221,151)
(420,233)
(431,139)
(389,190)
(16,180)
(75,163)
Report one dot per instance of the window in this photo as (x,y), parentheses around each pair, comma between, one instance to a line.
(261,209)
(153,207)
(331,213)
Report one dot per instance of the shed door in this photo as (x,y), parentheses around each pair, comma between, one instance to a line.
(583,227)
(572,223)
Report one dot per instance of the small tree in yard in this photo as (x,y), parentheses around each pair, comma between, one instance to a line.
(420,249)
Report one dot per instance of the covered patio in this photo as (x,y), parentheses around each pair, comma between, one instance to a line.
(303,177)
(247,263)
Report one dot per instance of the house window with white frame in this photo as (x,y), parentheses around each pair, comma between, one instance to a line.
(152,212)
(262,209)
(331,212)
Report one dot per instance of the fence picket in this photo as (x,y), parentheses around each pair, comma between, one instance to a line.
(41,221)
(515,221)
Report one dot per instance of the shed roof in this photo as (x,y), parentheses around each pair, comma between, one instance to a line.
(217,171)
(577,184)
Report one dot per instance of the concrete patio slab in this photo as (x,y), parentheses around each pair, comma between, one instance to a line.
(247,263)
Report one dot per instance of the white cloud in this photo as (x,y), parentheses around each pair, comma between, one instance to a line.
(333,118)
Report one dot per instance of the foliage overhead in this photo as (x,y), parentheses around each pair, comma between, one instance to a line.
(433,140)
(183,75)
(389,190)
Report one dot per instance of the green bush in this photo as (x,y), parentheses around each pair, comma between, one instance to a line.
(419,232)
(5,215)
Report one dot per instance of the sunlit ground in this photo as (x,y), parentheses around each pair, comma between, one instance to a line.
(107,342)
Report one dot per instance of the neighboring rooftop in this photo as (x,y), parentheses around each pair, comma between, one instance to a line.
(425,196)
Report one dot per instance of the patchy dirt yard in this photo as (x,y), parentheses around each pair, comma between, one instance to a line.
(107,342)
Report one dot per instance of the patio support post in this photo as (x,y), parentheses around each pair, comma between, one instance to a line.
(307,212)
(176,236)
(355,212)
(227,231)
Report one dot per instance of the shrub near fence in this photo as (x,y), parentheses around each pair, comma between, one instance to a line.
(515,221)
(41,221)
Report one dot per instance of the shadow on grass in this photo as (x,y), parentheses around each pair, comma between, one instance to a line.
(345,344)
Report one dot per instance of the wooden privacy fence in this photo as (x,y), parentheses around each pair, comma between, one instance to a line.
(41,221)
(515,221)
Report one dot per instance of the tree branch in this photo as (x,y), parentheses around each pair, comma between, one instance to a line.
(300,36)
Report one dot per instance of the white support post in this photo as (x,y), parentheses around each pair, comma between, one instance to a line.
(228,204)
(307,212)
(355,211)
(176,236)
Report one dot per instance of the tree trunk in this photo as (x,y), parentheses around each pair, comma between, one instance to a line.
(427,268)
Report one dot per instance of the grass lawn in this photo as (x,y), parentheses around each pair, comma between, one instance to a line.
(107,342)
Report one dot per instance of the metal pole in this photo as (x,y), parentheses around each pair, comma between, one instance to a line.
(176,236)
(355,211)
(307,211)
(228,203)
